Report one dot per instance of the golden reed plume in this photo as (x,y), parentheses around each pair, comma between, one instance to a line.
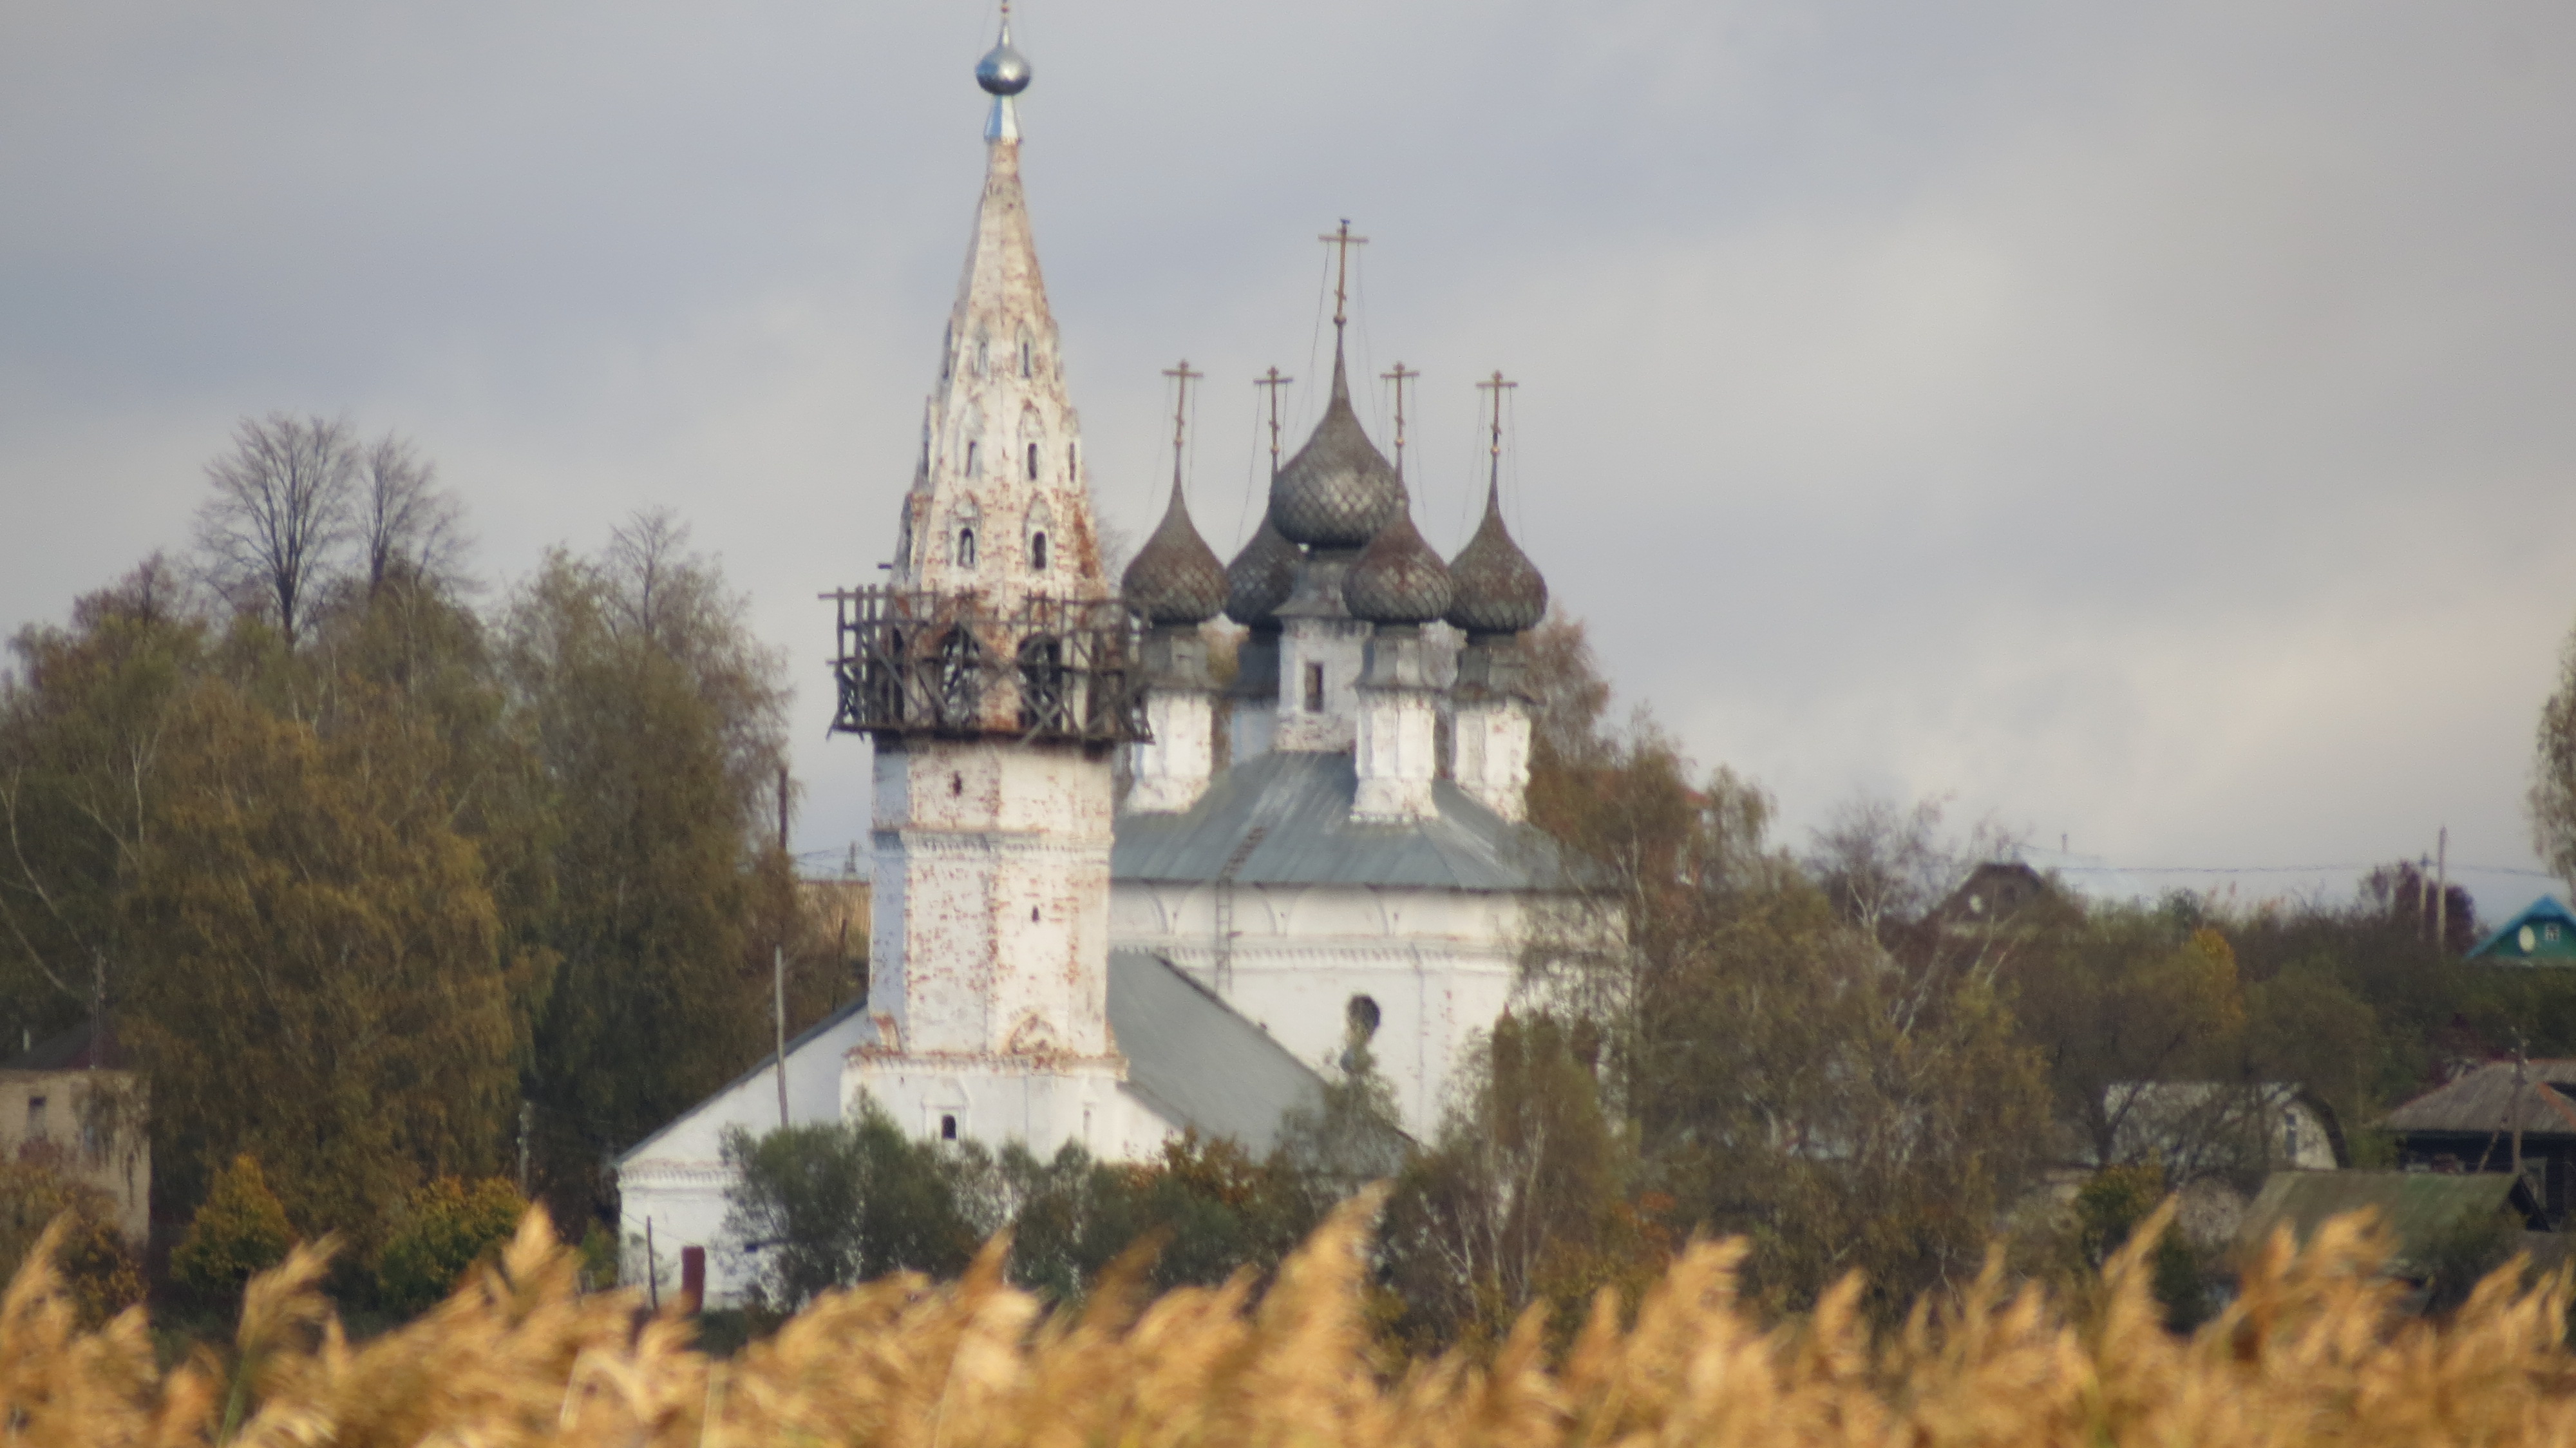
(2315,1350)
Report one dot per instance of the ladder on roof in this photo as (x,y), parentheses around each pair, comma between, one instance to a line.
(1225,931)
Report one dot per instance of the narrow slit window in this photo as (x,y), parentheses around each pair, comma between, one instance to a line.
(35,1118)
(1038,553)
(970,459)
(1069,460)
(965,547)
(1024,356)
(1314,688)
(1033,462)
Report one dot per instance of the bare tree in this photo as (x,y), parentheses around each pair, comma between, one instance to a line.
(406,524)
(281,508)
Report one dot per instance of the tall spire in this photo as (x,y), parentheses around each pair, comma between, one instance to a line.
(998,503)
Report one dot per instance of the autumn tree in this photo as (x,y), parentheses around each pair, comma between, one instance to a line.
(406,526)
(1781,1070)
(655,718)
(83,718)
(326,987)
(1523,1198)
(2130,997)
(280,513)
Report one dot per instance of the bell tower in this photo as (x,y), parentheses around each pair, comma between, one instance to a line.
(996,672)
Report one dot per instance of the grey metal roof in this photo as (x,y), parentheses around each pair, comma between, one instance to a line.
(1198,1062)
(2484,1102)
(1284,818)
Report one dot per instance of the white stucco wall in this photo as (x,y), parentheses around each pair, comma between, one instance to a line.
(1439,963)
(676,1178)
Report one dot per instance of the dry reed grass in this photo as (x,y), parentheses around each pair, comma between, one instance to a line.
(2314,1351)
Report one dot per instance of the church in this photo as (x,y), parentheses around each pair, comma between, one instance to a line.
(1332,842)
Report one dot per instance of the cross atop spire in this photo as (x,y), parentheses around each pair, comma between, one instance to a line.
(1342,241)
(1497,386)
(1273,381)
(1400,376)
(1180,411)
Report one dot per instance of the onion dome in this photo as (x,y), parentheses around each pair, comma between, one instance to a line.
(1338,491)
(1261,576)
(1499,590)
(1003,71)
(1398,579)
(1175,578)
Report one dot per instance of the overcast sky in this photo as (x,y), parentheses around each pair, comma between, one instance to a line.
(2143,425)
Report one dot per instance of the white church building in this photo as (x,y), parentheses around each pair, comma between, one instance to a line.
(1048,965)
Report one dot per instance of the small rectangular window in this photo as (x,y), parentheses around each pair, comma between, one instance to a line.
(948,1128)
(1314,688)
(35,1117)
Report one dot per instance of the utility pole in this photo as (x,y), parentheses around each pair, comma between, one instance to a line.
(778,954)
(2442,897)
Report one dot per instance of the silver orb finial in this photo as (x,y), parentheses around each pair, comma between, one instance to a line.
(1003,71)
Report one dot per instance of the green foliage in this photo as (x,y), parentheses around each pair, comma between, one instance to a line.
(2109,1206)
(448,1226)
(328,990)
(656,722)
(240,1231)
(2461,1255)
(827,1205)
(1521,1200)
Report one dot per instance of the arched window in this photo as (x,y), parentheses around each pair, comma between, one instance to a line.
(965,547)
(1037,552)
(1364,1016)
(1024,354)
(1033,462)
(1314,688)
(970,459)
(1042,684)
(983,354)
(960,672)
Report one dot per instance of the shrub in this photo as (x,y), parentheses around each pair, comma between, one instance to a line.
(97,1266)
(447,1227)
(239,1231)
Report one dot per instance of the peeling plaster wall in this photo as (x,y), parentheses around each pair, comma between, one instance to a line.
(992,882)
(1173,767)
(1336,645)
(1492,748)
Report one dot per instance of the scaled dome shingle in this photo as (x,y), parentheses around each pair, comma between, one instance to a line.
(1499,591)
(1339,491)
(1398,579)
(1261,576)
(1175,578)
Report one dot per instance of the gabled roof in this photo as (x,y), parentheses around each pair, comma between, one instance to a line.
(2485,1102)
(2419,1206)
(762,1067)
(75,1048)
(1195,1061)
(1284,818)
(2506,944)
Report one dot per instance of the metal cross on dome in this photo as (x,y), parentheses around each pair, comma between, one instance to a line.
(1274,381)
(1342,241)
(1497,386)
(1400,376)
(1181,407)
